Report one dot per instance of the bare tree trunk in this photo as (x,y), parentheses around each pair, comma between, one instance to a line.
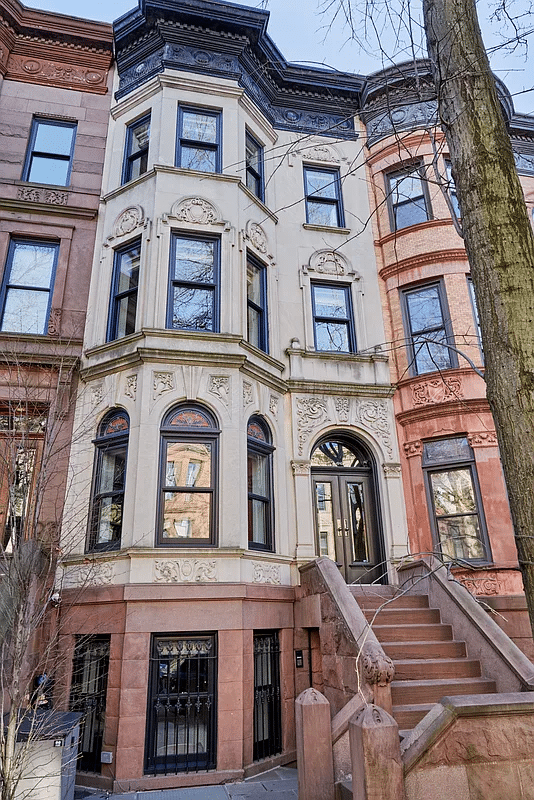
(500,247)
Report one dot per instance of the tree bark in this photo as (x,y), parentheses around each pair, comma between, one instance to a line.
(500,246)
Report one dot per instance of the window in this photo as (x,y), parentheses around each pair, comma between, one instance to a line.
(407,200)
(257,304)
(124,291)
(472,295)
(451,187)
(428,325)
(259,470)
(50,151)
(322,188)
(187,507)
(455,499)
(136,152)
(199,140)
(182,707)
(193,284)
(332,318)
(27,286)
(107,503)
(267,695)
(254,165)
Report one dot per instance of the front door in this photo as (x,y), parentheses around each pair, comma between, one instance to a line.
(345,511)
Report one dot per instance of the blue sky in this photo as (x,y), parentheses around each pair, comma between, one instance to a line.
(303,30)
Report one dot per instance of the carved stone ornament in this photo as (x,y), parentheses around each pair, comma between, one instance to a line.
(373,414)
(392,470)
(273,405)
(342,406)
(248,396)
(42,70)
(311,412)
(413,448)
(195,211)
(163,382)
(219,385)
(266,573)
(185,570)
(436,390)
(487,585)
(377,667)
(50,196)
(301,468)
(97,394)
(90,574)
(54,322)
(413,115)
(257,236)
(128,220)
(131,386)
(319,152)
(328,262)
(482,439)
(524,163)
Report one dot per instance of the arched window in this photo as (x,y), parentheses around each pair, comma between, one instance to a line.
(188,478)
(259,475)
(105,526)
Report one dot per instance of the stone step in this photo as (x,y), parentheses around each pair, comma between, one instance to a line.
(430,691)
(366,601)
(424,650)
(437,668)
(407,716)
(403,616)
(413,633)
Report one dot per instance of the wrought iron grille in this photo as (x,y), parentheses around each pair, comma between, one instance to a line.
(267,713)
(88,696)
(181,732)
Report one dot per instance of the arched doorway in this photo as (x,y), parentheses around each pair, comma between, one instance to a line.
(346,514)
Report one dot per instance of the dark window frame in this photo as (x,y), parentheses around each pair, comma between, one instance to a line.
(107,443)
(311,198)
(348,321)
(7,285)
(205,435)
(474,309)
(255,175)
(404,172)
(31,152)
(117,297)
(182,141)
(466,463)
(214,286)
(262,309)
(446,326)
(129,158)
(451,187)
(265,450)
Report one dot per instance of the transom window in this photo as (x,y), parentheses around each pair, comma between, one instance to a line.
(254,165)
(429,330)
(199,139)
(322,189)
(26,294)
(454,499)
(188,478)
(193,284)
(259,460)
(407,199)
(332,318)
(136,152)
(107,504)
(50,152)
(257,331)
(124,291)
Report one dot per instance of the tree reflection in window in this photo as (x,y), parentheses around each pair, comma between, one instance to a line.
(107,502)
(193,286)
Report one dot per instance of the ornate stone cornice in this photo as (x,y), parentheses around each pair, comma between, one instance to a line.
(423,259)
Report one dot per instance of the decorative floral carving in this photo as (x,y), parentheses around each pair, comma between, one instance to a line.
(219,385)
(524,162)
(392,470)
(273,405)
(436,390)
(97,394)
(413,448)
(53,72)
(128,220)
(131,386)
(486,585)
(163,382)
(319,152)
(301,468)
(95,574)
(257,236)
(55,197)
(373,414)
(51,196)
(377,667)
(342,406)
(195,210)
(329,262)
(482,439)
(311,412)
(266,573)
(185,570)
(248,397)
(54,322)
(30,194)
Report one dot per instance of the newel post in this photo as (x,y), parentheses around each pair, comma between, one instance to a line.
(378,672)
(314,746)
(377,769)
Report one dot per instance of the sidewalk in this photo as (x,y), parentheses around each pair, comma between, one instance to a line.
(276,784)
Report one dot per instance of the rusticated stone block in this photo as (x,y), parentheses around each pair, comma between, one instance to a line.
(377,770)
(314,746)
